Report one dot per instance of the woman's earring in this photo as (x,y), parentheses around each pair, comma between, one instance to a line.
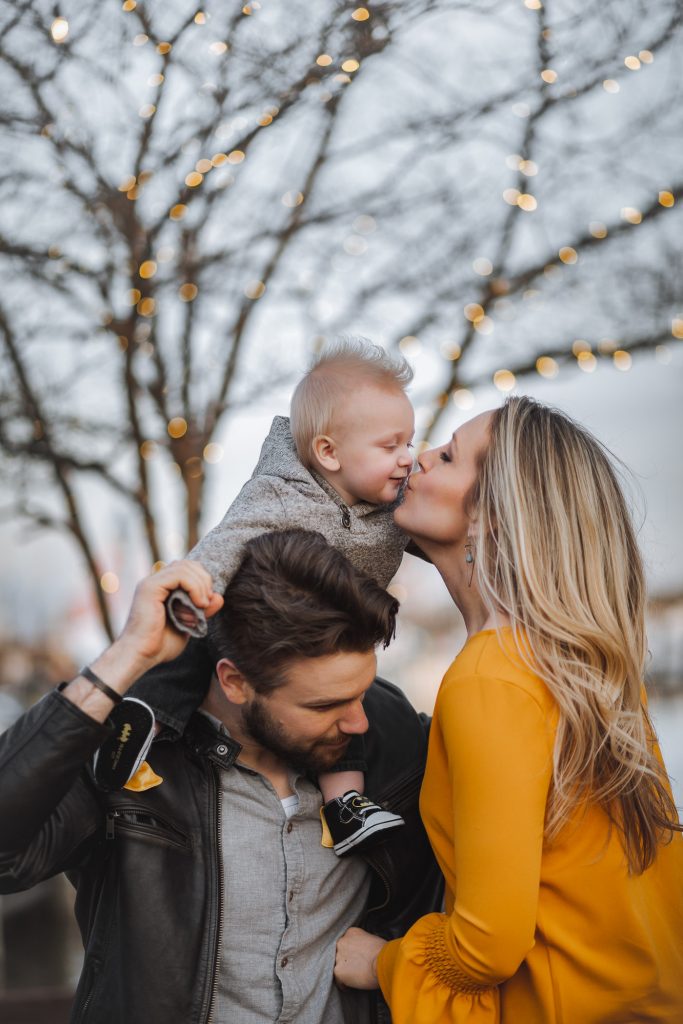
(469,558)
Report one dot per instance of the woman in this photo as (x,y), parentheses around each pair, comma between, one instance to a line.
(544,797)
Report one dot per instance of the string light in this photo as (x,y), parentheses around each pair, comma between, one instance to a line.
(213,452)
(218,48)
(194,179)
(324,60)
(410,345)
(547,367)
(188,292)
(350,65)
(631,214)
(178,211)
(177,427)
(148,450)
(129,5)
(147,269)
(666,199)
(646,57)
(463,398)
(473,312)
(482,266)
(632,63)
(236,156)
(597,229)
(549,76)
(254,289)
(609,85)
(527,202)
(504,380)
(109,582)
(292,199)
(622,360)
(450,350)
(568,255)
(146,307)
(587,361)
(59,30)
(677,327)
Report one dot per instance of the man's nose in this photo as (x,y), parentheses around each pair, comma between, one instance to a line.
(355,720)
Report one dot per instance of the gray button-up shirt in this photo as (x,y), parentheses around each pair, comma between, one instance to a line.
(287,900)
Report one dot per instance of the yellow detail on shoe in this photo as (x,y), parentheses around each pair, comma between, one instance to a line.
(144,778)
(327,841)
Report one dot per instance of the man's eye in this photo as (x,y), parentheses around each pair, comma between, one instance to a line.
(445,457)
(390,447)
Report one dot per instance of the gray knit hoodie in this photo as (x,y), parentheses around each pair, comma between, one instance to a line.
(283,495)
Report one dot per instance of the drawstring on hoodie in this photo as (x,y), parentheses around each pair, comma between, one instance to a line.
(345,516)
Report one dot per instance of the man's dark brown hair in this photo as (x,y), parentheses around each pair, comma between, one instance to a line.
(295,596)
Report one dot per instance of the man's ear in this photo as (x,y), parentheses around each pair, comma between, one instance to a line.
(325,452)
(235,687)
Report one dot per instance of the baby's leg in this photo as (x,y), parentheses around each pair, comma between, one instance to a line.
(334,784)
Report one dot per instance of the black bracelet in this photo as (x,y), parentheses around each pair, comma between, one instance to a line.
(88,674)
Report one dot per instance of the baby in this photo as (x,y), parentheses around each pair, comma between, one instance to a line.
(338,467)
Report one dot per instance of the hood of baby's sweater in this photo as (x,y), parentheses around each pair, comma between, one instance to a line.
(279,458)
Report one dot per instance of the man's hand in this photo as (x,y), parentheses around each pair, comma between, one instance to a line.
(147,638)
(356,963)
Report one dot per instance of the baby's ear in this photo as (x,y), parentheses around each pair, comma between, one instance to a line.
(325,453)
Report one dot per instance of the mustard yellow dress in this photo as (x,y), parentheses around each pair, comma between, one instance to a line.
(533,933)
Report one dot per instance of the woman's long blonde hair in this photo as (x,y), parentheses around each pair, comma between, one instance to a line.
(556,550)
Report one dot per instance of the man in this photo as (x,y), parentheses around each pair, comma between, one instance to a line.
(203,892)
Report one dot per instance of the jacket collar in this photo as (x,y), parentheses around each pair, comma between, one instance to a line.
(204,739)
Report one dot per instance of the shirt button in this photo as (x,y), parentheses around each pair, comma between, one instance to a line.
(289,826)
(284,961)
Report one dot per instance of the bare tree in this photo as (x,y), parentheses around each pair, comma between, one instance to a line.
(191,198)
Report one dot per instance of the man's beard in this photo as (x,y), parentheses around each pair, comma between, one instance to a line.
(313,757)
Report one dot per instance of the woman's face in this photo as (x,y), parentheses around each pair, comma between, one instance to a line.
(434,510)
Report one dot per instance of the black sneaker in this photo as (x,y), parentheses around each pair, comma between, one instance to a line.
(120,756)
(355,822)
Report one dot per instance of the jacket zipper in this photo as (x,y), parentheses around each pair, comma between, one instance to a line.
(345,516)
(378,871)
(221,895)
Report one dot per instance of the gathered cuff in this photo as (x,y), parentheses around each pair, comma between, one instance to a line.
(422,981)
(440,961)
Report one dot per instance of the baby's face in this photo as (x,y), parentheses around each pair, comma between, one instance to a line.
(373,436)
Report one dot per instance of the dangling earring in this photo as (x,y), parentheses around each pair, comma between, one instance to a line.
(469,558)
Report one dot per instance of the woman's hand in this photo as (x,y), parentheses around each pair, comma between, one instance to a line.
(356,962)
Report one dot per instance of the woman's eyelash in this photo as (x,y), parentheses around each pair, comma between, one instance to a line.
(445,457)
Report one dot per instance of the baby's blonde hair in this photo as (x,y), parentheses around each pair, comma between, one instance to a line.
(340,369)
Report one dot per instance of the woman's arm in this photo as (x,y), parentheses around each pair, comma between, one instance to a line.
(493,755)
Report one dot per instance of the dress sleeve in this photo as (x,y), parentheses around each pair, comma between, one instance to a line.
(497,751)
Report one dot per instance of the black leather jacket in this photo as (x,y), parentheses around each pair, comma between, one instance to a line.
(146,866)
